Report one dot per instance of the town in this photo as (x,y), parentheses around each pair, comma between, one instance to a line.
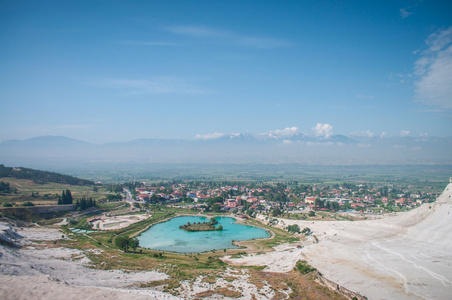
(279,198)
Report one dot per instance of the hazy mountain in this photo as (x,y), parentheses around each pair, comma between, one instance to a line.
(273,147)
(45,141)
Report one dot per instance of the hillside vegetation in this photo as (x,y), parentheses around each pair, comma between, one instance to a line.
(40,177)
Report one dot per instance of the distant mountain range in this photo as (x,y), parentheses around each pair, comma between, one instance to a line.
(272,147)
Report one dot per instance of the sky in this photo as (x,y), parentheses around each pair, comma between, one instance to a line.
(105,71)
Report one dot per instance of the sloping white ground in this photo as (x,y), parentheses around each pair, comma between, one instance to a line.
(408,256)
(62,273)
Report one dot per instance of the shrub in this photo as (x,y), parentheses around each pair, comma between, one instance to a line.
(303,267)
(306,231)
(293,228)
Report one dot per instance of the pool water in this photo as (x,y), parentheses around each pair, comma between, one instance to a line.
(168,236)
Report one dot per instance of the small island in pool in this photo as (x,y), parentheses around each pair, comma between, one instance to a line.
(204,226)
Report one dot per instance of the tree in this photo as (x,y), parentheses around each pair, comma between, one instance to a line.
(216,207)
(134,244)
(319,203)
(122,242)
(66,198)
(125,243)
(5,187)
(154,198)
(306,231)
(251,212)
(220,227)
(276,212)
(293,228)
(84,203)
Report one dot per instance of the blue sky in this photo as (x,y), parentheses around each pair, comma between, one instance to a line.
(103,71)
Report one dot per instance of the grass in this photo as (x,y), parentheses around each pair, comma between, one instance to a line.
(281,237)
(110,205)
(179,267)
(47,193)
(302,286)
(189,267)
(22,214)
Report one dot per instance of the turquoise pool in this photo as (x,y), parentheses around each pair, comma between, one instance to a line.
(168,237)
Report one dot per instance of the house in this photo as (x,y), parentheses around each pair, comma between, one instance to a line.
(143,197)
(251,200)
(309,200)
(231,203)
(400,201)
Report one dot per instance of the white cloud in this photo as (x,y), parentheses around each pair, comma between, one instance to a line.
(434,71)
(367,133)
(282,134)
(323,130)
(210,136)
(404,13)
(286,132)
(404,133)
(383,135)
(162,84)
(231,37)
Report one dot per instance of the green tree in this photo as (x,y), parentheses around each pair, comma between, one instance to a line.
(122,242)
(319,203)
(306,231)
(66,197)
(134,244)
(293,228)
(251,212)
(216,207)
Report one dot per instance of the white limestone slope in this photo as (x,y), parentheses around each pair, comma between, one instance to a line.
(408,256)
(404,256)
